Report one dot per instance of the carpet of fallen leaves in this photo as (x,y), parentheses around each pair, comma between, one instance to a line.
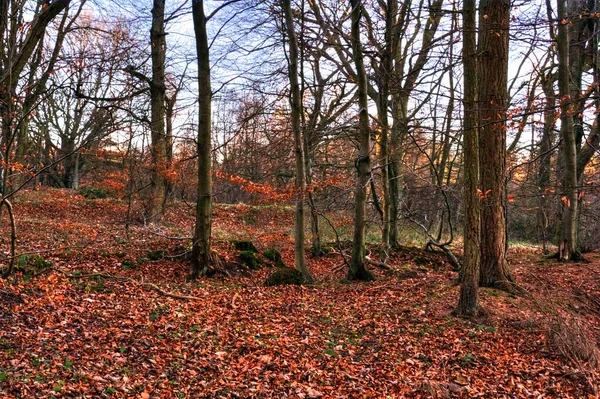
(73,330)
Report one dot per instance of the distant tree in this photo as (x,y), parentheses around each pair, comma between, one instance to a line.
(18,43)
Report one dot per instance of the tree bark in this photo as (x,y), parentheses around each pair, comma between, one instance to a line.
(358,267)
(201,256)
(494,16)
(467,303)
(296,107)
(568,246)
(158,147)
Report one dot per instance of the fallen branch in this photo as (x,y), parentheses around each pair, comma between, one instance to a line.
(380,265)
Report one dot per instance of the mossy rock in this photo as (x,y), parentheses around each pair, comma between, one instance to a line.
(155,255)
(274,256)
(249,259)
(241,245)
(285,276)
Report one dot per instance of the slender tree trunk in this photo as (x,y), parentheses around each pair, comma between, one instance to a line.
(296,105)
(384,92)
(568,246)
(170,115)
(358,269)
(467,303)
(546,144)
(201,256)
(494,16)
(158,147)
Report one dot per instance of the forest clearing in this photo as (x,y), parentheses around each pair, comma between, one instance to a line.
(90,318)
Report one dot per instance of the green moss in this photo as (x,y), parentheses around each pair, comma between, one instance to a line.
(274,256)
(285,276)
(155,255)
(241,245)
(90,192)
(128,264)
(248,258)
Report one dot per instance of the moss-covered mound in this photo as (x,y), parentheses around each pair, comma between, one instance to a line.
(285,276)
(155,255)
(241,245)
(274,256)
(249,259)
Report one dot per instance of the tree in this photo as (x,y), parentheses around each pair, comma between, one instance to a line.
(494,17)
(296,106)
(358,269)
(201,250)
(158,149)
(568,245)
(88,70)
(467,303)
(16,51)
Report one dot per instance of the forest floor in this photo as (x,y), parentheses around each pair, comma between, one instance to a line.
(86,315)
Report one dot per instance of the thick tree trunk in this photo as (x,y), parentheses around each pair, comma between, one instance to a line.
(568,246)
(494,16)
(158,148)
(467,303)
(296,106)
(201,256)
(358,268)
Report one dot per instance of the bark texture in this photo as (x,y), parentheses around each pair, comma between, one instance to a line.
(467,303)
(494,16)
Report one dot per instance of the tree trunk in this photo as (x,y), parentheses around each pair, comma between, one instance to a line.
(568,246)
(358,268)
(158,147)
(296,106)
(385,73)
(201,248)
(494,16)
(545,150)
(467,303)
